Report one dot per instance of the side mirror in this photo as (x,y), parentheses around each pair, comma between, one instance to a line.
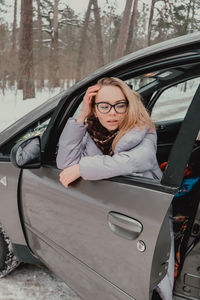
(27,154)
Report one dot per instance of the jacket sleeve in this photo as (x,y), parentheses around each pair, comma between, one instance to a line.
(71,144)
(140,159)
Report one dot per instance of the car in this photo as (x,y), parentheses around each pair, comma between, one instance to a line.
(110,239)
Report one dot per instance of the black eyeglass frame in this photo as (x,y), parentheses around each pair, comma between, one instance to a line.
(112,105)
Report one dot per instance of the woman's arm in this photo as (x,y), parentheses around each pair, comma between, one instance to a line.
(140,159)
(71,143)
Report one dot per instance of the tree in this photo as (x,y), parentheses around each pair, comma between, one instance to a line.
(150,21)
(100,52)
(14,27)
(81,55)
(54,51)
(172,18)
(40,48)
(132,29)
(26,50)
(123,34)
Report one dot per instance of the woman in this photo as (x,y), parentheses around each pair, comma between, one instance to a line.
(113,135)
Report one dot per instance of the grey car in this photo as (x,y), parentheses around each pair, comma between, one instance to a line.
(110,239)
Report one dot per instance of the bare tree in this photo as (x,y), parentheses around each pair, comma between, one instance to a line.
(100,55)
(14,27)
(26,50)
(123,34)
(80,59)
(40,48)
(132,29)
(150,21)
(54,51)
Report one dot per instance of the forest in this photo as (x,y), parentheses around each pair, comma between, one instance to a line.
(53,46)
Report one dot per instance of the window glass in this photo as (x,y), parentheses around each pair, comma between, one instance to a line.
(77,111)
(141,81)
(173,103)
(36,129)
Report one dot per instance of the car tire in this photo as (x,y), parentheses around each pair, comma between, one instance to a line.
(8,261)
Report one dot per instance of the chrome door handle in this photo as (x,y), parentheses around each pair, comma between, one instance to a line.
(124,226)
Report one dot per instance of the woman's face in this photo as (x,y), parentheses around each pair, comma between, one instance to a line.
(112,95)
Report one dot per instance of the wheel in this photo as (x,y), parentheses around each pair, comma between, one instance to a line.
(8,261)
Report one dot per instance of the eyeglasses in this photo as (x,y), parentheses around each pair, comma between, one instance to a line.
(105,107)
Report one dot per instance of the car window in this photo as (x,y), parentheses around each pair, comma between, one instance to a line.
(77,111)
(173,103)
(37,129)
(138,82)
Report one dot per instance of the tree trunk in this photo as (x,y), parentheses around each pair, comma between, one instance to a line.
(26,49)
(193,13)
(80,59)
(13,50)
(54,53)
(123,34)
(132,29)
(100,55)
(14,27)
(150,21)
(187,17)
(40,74)
(174,24)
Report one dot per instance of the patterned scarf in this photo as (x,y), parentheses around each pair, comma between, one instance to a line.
(100,135)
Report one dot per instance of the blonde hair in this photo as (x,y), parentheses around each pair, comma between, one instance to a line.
(136,115)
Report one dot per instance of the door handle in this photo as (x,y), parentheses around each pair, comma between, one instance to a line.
(124,226)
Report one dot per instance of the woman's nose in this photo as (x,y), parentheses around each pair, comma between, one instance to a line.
(112,111)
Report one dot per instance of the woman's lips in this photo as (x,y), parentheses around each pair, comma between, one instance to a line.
(112,121)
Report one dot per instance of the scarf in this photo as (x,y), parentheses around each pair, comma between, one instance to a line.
(100,135)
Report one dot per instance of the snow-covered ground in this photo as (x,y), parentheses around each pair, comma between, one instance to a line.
(34,282)
(13,107)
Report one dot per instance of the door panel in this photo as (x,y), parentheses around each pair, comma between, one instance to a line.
(76,274)
(76,220)
(166,135)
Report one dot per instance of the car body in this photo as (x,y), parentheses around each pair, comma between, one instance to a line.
(110,239)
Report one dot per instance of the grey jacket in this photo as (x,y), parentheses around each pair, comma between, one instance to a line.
(135,153)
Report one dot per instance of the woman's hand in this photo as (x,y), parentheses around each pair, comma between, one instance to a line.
(69,174)
(87,103)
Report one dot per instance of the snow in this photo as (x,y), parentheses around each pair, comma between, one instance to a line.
(14,107)
(34,282)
